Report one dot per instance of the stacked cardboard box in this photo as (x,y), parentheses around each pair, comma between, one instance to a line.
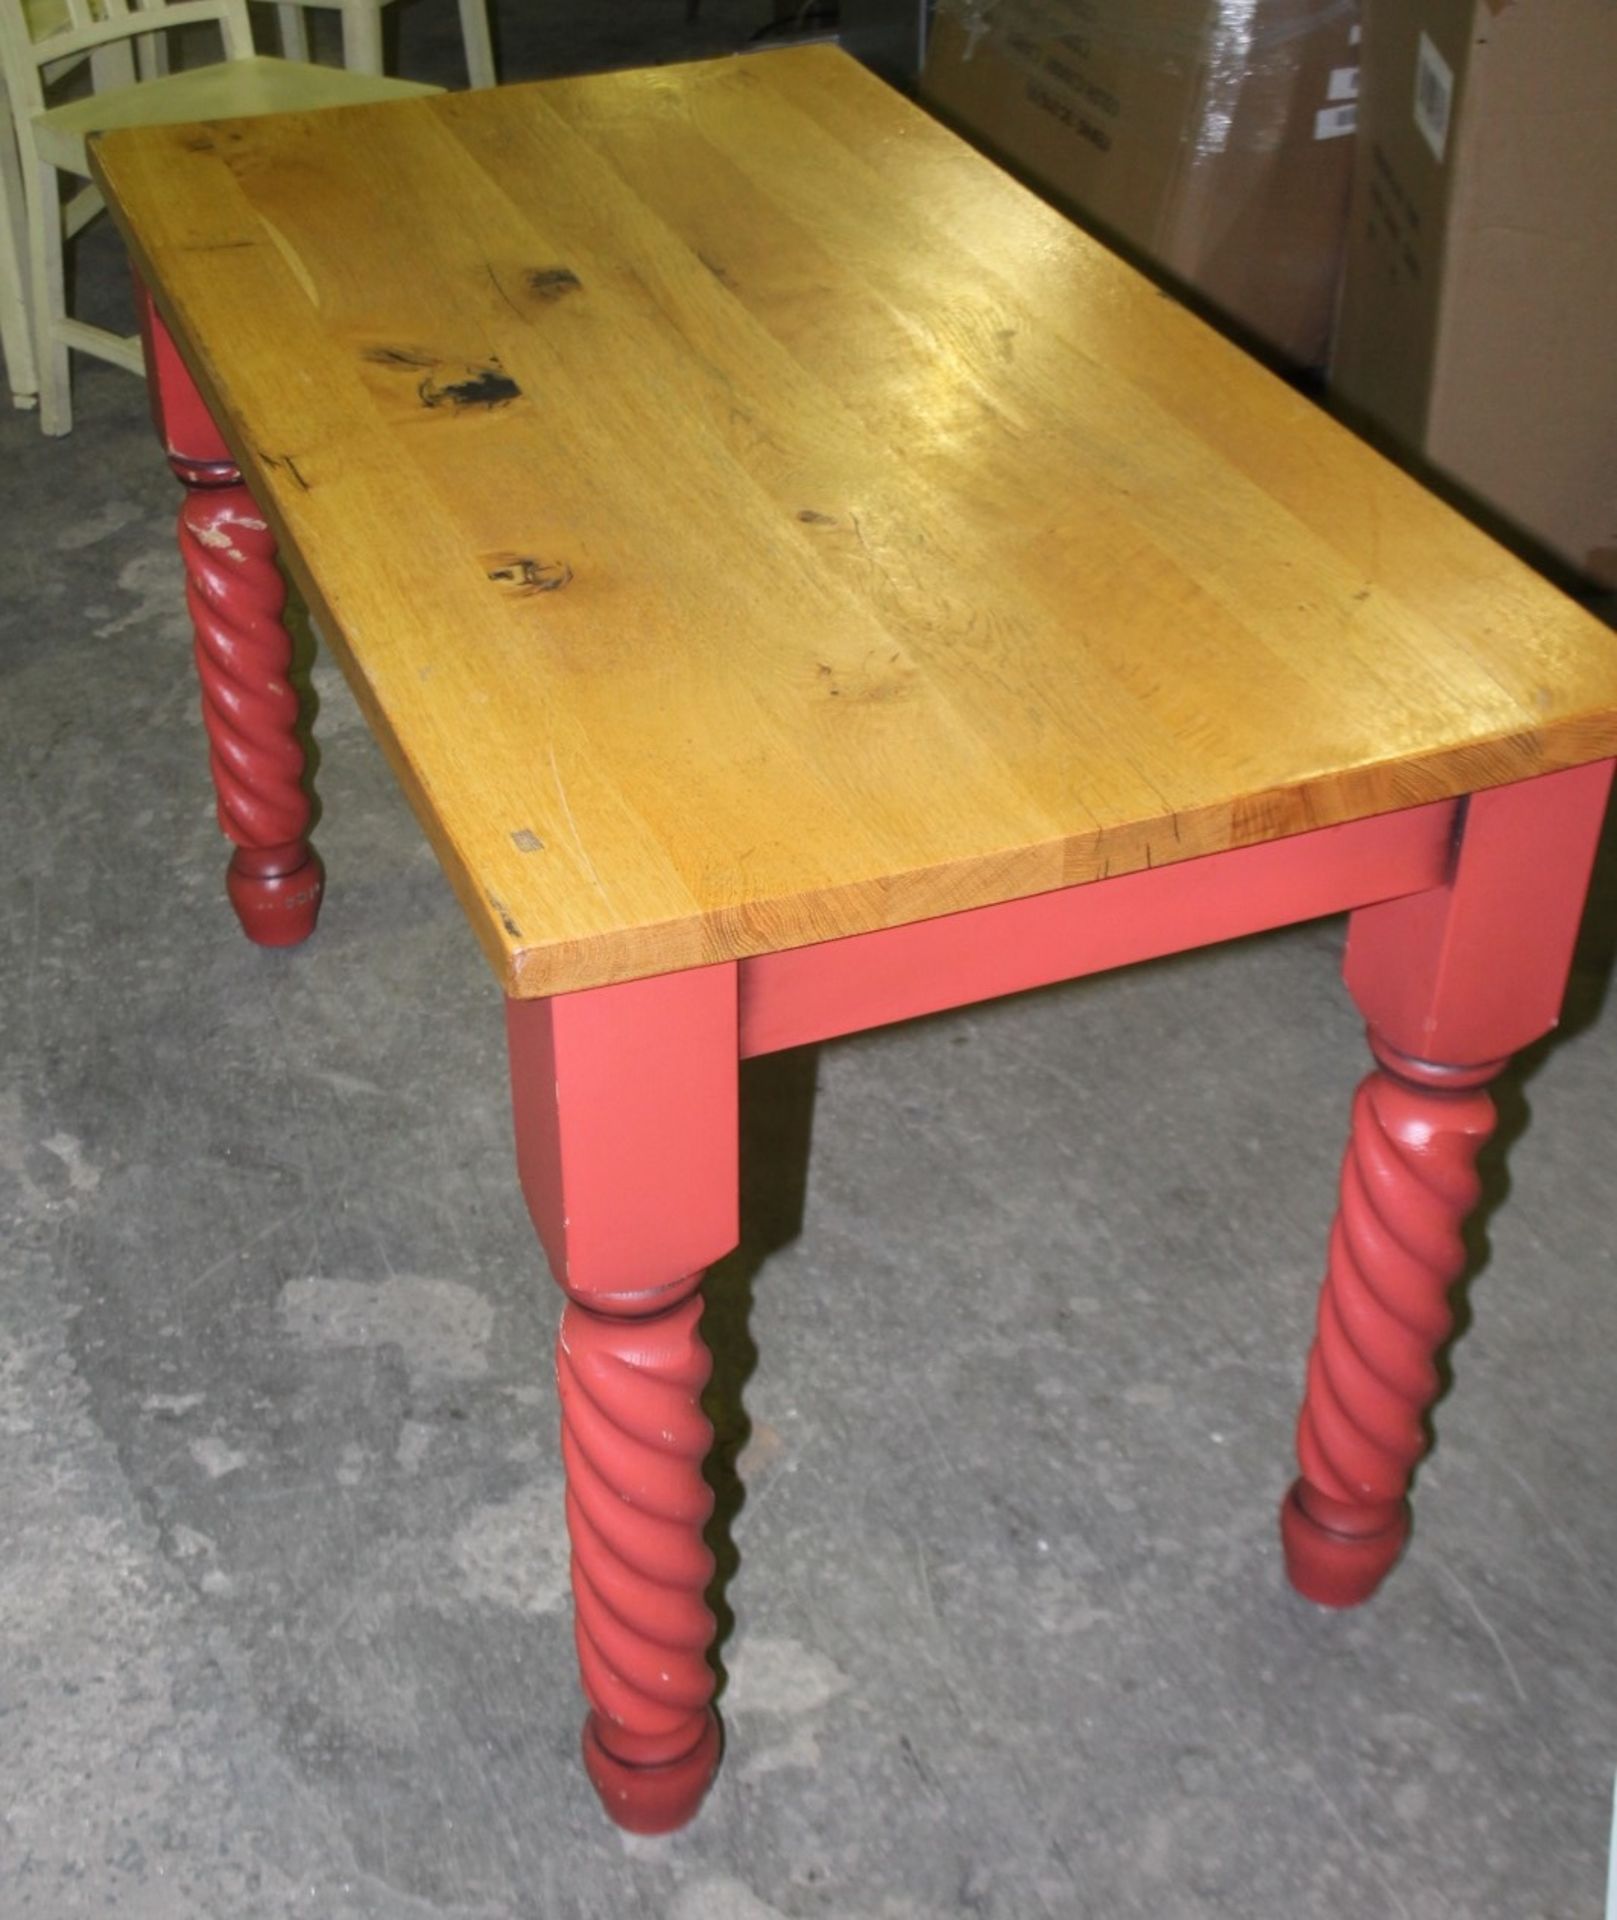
(1479,301)
(1210,138)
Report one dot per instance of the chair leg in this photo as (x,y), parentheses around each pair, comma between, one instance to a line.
(16,324)
(294,33)
(48,296)
(474,34)
(362,36)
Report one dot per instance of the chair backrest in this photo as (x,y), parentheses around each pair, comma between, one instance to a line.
(46,16)
(36,34)
(112,66)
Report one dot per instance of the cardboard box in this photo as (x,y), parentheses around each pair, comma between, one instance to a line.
(1210,139)
(1479,299)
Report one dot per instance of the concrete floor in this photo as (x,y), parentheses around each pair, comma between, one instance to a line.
(1005,1386)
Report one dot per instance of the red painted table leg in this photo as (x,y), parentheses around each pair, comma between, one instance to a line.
(244,656)
(625,1107)
(1452,981)
(633,1440)
(236,597)
(1408,1182)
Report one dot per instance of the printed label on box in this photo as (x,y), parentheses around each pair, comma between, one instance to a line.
(1393,222)
(1330,123)
(1434,97)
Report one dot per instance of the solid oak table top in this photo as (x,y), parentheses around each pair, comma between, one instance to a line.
(748,517)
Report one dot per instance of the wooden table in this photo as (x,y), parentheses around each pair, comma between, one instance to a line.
(800,583)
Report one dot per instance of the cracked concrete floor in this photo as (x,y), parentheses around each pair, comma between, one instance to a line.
(1005,1387)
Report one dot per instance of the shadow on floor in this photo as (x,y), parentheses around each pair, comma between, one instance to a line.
(777,1124)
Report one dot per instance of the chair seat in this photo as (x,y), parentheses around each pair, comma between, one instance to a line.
(230,90)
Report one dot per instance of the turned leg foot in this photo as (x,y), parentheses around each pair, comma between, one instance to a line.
(1408,1181)
(1338,1553)
(276,892)
(652,1799)
(633,1440)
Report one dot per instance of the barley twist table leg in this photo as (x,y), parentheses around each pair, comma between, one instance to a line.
(236,597)
(625,1104)
(1408,1181)
(244,655)
(1452,980)
(633,1440)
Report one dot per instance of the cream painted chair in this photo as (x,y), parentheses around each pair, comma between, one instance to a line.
(15,341)
(111,66)
(362,35)
(51,140)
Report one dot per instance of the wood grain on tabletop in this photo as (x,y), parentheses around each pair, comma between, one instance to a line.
(748,517)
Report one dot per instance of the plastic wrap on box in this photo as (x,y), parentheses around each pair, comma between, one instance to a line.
(1211,137)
